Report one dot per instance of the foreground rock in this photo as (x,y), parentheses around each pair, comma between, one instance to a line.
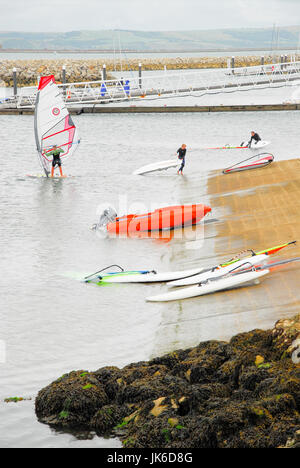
(245,393)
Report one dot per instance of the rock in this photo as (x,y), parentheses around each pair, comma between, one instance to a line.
(241,394)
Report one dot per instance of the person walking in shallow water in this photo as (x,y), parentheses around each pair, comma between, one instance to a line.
(181,156)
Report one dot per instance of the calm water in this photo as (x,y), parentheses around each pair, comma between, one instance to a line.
(142,55)
(52,323)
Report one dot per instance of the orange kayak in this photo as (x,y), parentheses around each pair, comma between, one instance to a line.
(169,217)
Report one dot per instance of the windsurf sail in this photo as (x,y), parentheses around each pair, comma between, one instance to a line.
(263,159)
(270,251)
(52,123)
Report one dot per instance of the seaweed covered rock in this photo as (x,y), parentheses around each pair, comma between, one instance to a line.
(241,394)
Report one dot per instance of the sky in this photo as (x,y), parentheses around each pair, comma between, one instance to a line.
(151,15)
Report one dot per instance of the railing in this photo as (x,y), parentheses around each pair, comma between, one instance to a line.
(167,84)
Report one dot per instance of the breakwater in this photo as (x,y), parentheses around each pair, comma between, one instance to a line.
(78,70)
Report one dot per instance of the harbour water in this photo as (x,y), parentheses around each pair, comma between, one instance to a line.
(51,322)
(18,55)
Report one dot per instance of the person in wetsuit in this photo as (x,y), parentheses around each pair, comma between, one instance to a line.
(254,137)
(181,156)
(56,152)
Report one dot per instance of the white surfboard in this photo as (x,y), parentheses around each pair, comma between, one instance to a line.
(148,277)
(208,287)
(220,271)
(43,176)
(158,166)
(260,144)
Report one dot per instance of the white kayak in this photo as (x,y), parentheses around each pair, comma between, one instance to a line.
(220,271)
(210,286)
(158,166)
(144,276)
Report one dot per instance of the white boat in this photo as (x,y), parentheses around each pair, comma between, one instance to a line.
(209,286)
(158,166)
(220,271)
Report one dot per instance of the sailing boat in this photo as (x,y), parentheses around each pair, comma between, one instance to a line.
(53,124)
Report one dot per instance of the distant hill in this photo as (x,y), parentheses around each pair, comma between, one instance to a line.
(261,38)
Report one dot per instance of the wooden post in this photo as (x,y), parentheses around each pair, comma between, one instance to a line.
(232,65)
(262,60)
(104,76)
(140,75)
(64,80)
(15,82)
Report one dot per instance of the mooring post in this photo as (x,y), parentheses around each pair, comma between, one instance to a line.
(15,82)
(140,75)
(104,72)
(281,61)
(64,80)
(232,65)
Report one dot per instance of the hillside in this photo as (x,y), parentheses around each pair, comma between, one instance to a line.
(153,40)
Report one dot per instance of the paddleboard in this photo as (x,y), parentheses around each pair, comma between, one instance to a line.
(220,271)
(210,286)
(158,166)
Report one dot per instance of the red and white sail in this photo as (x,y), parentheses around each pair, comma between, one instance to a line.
(53,123)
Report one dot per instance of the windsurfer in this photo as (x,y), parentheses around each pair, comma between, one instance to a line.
(56,151)
(181,155)
(254,136)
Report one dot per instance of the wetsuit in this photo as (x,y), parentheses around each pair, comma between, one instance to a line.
(255,137)
(181,155)
(56,156)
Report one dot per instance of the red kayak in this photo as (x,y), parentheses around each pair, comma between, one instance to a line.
(166,218)
(262,162)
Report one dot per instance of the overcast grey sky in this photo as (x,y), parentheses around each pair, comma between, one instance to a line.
(68,15)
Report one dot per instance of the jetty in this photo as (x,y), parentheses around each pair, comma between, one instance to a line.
(95,96)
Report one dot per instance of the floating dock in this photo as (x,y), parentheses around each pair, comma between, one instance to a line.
(161,109)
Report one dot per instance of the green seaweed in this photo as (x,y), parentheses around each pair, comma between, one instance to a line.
(14,399)
(166,434)
(63,415)
(88,386)
(122,424)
